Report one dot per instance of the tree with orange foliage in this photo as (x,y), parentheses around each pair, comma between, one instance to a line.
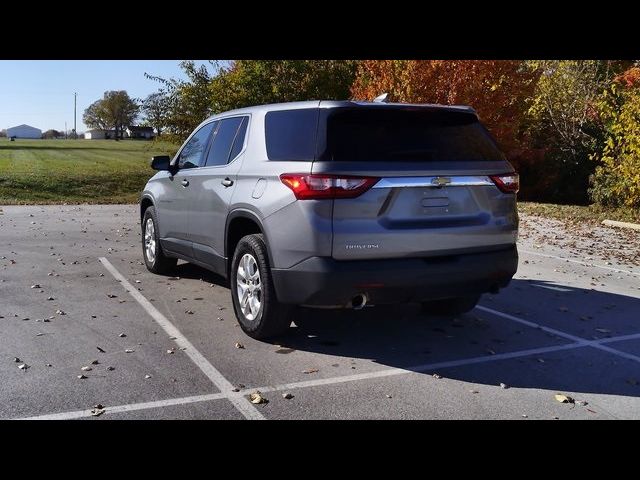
(497,89)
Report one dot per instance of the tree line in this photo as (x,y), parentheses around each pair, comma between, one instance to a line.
(570,127)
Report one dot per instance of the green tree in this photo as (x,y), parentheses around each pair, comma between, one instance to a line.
(155,109)
(115,110)
(254,82)
(52,134)
(220,86)
(188,102)
(563,120)
(616,181)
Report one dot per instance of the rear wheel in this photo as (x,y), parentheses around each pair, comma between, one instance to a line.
(451,306)
(154,257)
(257,309)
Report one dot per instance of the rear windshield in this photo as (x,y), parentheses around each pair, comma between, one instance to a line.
(406,135)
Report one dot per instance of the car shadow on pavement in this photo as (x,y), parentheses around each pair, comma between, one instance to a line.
(404,337)
(189,270)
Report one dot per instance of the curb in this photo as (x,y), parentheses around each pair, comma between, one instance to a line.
(613,223)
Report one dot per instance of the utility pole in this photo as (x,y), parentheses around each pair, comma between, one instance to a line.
(75,102)
(65,130)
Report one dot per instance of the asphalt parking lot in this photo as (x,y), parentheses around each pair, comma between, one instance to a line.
(74,293)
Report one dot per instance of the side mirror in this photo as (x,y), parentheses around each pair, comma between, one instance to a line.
(161,162)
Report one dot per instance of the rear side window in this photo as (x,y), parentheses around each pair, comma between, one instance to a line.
(193,152)
(291,134)
(238,143)
(407,135)
(222,142)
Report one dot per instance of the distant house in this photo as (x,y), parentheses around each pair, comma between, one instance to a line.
(99,134)
(24,131)
(139,132)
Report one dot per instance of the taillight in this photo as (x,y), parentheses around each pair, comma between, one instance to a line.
(320,186)
(507,182)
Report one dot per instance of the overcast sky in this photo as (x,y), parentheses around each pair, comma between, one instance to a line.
(40,92)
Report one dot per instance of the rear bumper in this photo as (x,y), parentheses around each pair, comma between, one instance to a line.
(324,281)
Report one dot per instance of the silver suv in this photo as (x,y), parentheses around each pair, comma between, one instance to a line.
(337,204)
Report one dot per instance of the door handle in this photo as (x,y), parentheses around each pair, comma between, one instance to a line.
(227,182)
(185,183)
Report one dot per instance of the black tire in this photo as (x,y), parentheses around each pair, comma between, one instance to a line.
(272,318)
(161,264)
(451,306)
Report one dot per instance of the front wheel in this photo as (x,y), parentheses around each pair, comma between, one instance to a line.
(154,257)
(257,309)
(451,306)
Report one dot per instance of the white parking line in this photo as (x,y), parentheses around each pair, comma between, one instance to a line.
(130,408)
(546,255)
(550,287)
(236,398)
(580,341)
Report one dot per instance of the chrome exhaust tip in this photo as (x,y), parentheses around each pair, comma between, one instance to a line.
(359,301)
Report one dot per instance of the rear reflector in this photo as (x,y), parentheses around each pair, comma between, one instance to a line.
(319,186)
(507,182)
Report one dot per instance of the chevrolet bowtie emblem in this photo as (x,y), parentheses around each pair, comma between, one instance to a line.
(440,181)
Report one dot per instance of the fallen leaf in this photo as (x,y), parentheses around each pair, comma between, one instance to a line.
(99,406)
(388,396)
(36,286)
(96,412)
(94,362)
(563,398)
(171,351)
(525,416)
(287,396)
(101,350)
(239,345)
(437,376)
(591,411)
(504,386)
(122,335)
(189,312)
(50,298)
(284,350)
(474,391)
(257,398)
(111,295)
(16,359)
(81,377)
(110,369)
(24,366)
(48,365)
(128,350)
(147,376)
(310,370)
(60,312)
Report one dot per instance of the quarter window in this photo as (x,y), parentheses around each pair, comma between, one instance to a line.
(291,134)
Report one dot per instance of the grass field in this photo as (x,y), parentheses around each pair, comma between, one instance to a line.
(75,171)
